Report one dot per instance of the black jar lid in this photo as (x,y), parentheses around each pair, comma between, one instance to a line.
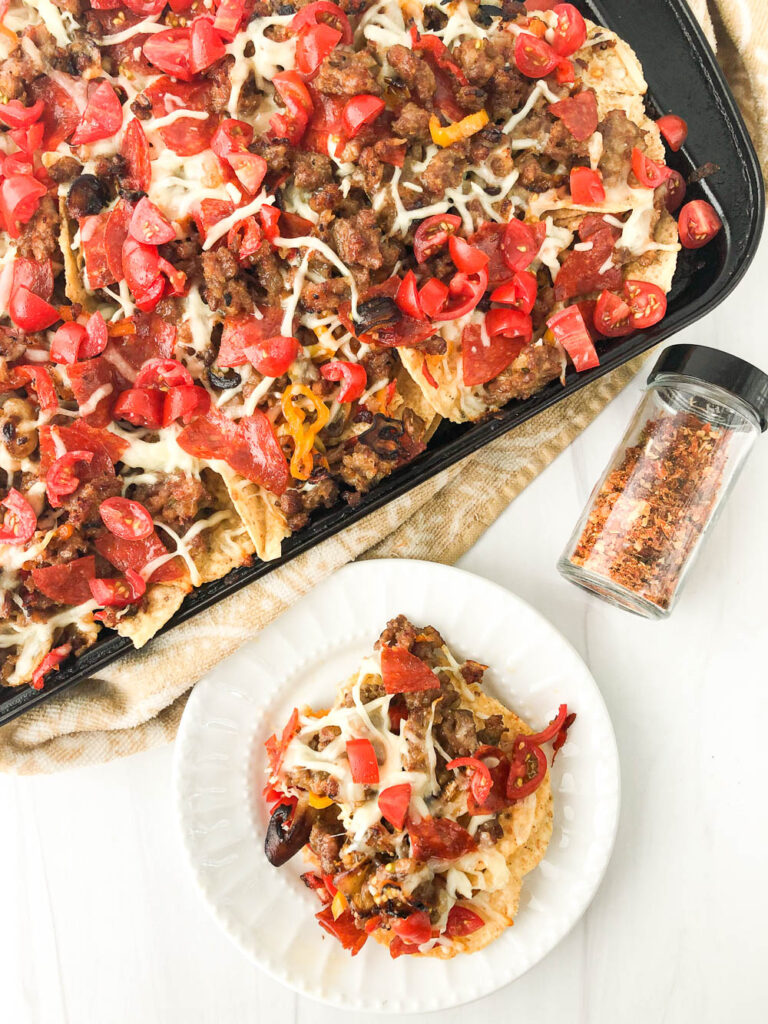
(722,369)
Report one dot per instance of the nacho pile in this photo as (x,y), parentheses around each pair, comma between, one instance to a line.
(420,802)
(252,252)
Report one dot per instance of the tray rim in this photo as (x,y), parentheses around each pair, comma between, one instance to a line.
(108,649)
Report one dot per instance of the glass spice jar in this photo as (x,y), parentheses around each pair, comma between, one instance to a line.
(668,479)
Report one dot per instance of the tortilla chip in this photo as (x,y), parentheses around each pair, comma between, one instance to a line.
(74,287)
(162,601)
(257,508)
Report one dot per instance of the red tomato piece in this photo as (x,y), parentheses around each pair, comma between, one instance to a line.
(40,379)
(462,921)
(403,672)
(29,140)
(480,362)
(229,14)
(433,296)
(126,519)
(344,927)
(16,115)
(497,764)
(587,187)
(141,265)
(519,245)
(673,190)
(20,196)
(352,376)
(78,436)
(534,57)
(612,316)
(468,258)
(66,583)
(394,802)
(407,297)
(647,301)
(570,33)
(466,290)
(433,233)
(140,406)
(313,45)
(415,929)
(674,129)
(566,73)
(61,479)
(145,8)
(519,293)
(509,322)
(118,593)
(323,12)
(20,520)
(647,171)
(231,136)
(362,762)
(360,111)
(185,403)
(298,104)
(245,333)
(698,224)
(137,554)
(205,45)
(170,52)
(578,114)
(571,332)
(67,342)
(250,169)
(51,661)
(149,226)
(102,117)
(163,374)
(481,782)
(118,221)
(440,838)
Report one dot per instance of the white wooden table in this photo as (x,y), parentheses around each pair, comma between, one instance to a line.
(99,923)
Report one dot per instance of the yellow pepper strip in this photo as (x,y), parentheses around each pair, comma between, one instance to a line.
(319,801)
(303,434)
(457,131)
(339,905)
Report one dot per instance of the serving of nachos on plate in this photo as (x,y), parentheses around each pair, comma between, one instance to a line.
(253,252)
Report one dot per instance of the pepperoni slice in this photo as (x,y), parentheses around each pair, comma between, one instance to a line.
(187,136)
(79,436)
(115,235)
(481,362)
(589,270)
(134,149)
(243,332)
(594,222)
(135,554)
(440,838)
(66,583)
(403,672)
(488,238)
(578,114)
(93,231)
(60,114)
(88,377)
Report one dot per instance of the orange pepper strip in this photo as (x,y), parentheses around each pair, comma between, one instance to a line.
(303,434)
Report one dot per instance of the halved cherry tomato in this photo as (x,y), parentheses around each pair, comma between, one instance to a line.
(534,57)
(674,129)
(612,316)
(362,762)
(571,332)
(519,293)
(527,769)
(149,226)
(414,929)
(163,374)
(360,111)
(519,245)
(102,117)
(570,33)
(433,296)
(647,171)
(393,803)
(468,258)
(134,150)
(185,403)
(407,297)
(61,478)
(462,921)
(66,342)
(118,593)
(229,14)
(479,775)
(403,672)
(51,661)
(141,266)
(177,279)
(466,290)
(16,115)
(126,519)
(140,406)
(20,196)
(250,169)
(96,337)
(587,186)
(433,233)
(647,301)
(40,379)
(298,103)
(310,15)
(205,45)
(20,520)
(352,376)
(148,299)
(698,224)
(314,44)
(273,356)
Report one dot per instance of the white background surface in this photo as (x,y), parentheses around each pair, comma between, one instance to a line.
(99,923)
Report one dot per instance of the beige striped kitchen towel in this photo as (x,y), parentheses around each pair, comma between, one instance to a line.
(137,703)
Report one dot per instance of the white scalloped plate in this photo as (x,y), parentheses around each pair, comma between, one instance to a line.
(299,659)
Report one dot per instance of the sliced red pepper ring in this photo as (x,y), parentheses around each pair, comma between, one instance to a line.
(185,403)
(571,332)
(481,782)
(433,233)
(20,520)
(403,672)
(118,593)
(352,375)
(149,226)
(362,762)
(407,297)
(394,802)
(61,479)
(462,921)
(127,519)
(360,111)
(527,769)
(552,729)
(468,258)
(51,661)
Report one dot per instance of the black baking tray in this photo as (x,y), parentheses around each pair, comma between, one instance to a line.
(684,78)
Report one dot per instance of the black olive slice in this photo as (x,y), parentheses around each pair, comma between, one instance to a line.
(224,379)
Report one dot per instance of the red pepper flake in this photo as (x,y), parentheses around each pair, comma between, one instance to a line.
(427,375)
